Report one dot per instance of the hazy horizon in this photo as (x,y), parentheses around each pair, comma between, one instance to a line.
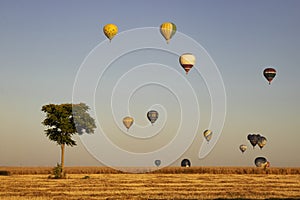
(44,43)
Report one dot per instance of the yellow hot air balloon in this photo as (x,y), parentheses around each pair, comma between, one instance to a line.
(110,30)
(128,121)
(207,134)
(187,61)
(168,29)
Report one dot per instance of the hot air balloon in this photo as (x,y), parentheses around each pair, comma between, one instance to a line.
(261,162)
(185,163)
(110,30)
(187,61)
(152,116)
(207,134)
(269,74)
(128,121)
(157,163)
(249,136)
(243,148)
(261,141)
(167,30)
(253,138)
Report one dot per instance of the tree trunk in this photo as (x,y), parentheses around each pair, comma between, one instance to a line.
(62,158)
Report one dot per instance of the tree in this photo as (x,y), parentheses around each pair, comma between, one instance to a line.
(65,120)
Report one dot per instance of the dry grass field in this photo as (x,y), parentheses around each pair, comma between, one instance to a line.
(168,183)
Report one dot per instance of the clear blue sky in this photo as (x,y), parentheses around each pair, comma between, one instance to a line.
(43,44)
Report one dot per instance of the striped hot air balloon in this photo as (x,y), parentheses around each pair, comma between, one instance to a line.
(152,116)
(187,61)
(167,30)
(128,121)
(269,74)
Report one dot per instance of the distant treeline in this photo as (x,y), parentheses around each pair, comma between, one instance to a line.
(166,170)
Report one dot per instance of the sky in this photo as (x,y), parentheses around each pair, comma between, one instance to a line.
(48,47)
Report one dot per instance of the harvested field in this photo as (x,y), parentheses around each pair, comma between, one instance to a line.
(169,183)
(166,170)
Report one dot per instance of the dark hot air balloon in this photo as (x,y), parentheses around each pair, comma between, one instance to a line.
(185,163)
(269,74)
(253,138)
(152,116)
(262,162)
(157,162)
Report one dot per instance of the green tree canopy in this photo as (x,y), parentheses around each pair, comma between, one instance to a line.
(65,120)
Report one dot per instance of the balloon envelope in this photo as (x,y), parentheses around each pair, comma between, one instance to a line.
(152,116)
(269,74)
(261,162)
(157,162)
(261,141)
(243,148)
(249,136)
(110,30)
(253,138)
(207,134)
(128,121)
(187,61)
(185,163)
(167,30)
